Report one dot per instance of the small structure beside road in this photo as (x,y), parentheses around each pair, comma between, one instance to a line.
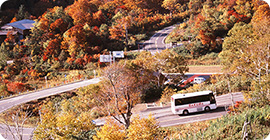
(19,29)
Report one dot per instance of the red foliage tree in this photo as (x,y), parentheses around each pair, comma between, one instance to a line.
(16,87)
(53,48)
(59,26)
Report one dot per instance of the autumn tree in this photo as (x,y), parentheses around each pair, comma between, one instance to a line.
(139,129)
(244,7)
(22,14)
(3,57)
(247,52)
(19,118)
(111,131)
(259,53)
(171,5)
(195,5)
(51,26)
(122,22)
(80,40)
(10,38)
(165,61)
(82,11)
(61,121)
(208,27)
(143,129)
(234,46)
(120,92)
(85,101)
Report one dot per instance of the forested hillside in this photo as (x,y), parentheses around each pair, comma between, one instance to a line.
(73,37)
(33,8)
(69,37)
(205,31)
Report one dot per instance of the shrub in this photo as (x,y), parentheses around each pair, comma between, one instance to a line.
(227,127)
(230,126)
(166,95)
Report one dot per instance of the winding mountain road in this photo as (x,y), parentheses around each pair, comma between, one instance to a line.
(162,114)
(11,102)
(166,118)
(157,42)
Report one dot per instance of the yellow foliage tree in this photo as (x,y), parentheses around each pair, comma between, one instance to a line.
(64,124)
(166,94)
(143,129)
(247,52)
(139,129)
(111,131)
(170,5)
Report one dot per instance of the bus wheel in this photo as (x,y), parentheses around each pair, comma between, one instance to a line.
(207,109)
(185,112)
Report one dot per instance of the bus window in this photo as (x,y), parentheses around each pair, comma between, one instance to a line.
(178,102)
(212,99)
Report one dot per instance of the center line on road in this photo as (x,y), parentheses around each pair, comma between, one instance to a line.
(182,117)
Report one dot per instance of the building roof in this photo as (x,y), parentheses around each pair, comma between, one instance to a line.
(2,33)
(6,27)
(22,24)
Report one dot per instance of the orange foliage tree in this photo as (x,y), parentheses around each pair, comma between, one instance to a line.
(74,40)
(82,12)
(52,24)
(10,37)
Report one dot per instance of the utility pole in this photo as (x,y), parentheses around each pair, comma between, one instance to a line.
(110,57)
(46,80)
(230,91)
(126,40)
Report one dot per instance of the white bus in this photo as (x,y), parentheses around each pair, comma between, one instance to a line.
(193,102)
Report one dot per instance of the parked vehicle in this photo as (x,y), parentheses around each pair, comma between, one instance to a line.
(198,80)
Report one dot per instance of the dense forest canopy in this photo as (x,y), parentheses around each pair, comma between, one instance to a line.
(34,7)
(69,37)
(72,34)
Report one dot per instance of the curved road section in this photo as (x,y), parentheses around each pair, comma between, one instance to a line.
(156,42)
(166,118)
(9,103)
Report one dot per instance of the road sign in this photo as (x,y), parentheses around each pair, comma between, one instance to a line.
(105,58)
(118,54)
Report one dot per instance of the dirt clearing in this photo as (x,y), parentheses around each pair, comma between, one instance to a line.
(205,69)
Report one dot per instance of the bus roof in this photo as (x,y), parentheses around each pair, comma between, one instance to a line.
(176,96)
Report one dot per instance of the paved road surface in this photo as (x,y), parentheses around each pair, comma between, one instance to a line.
(27,133)
(166,118)
(156,42)
(8,103)
(164,115)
